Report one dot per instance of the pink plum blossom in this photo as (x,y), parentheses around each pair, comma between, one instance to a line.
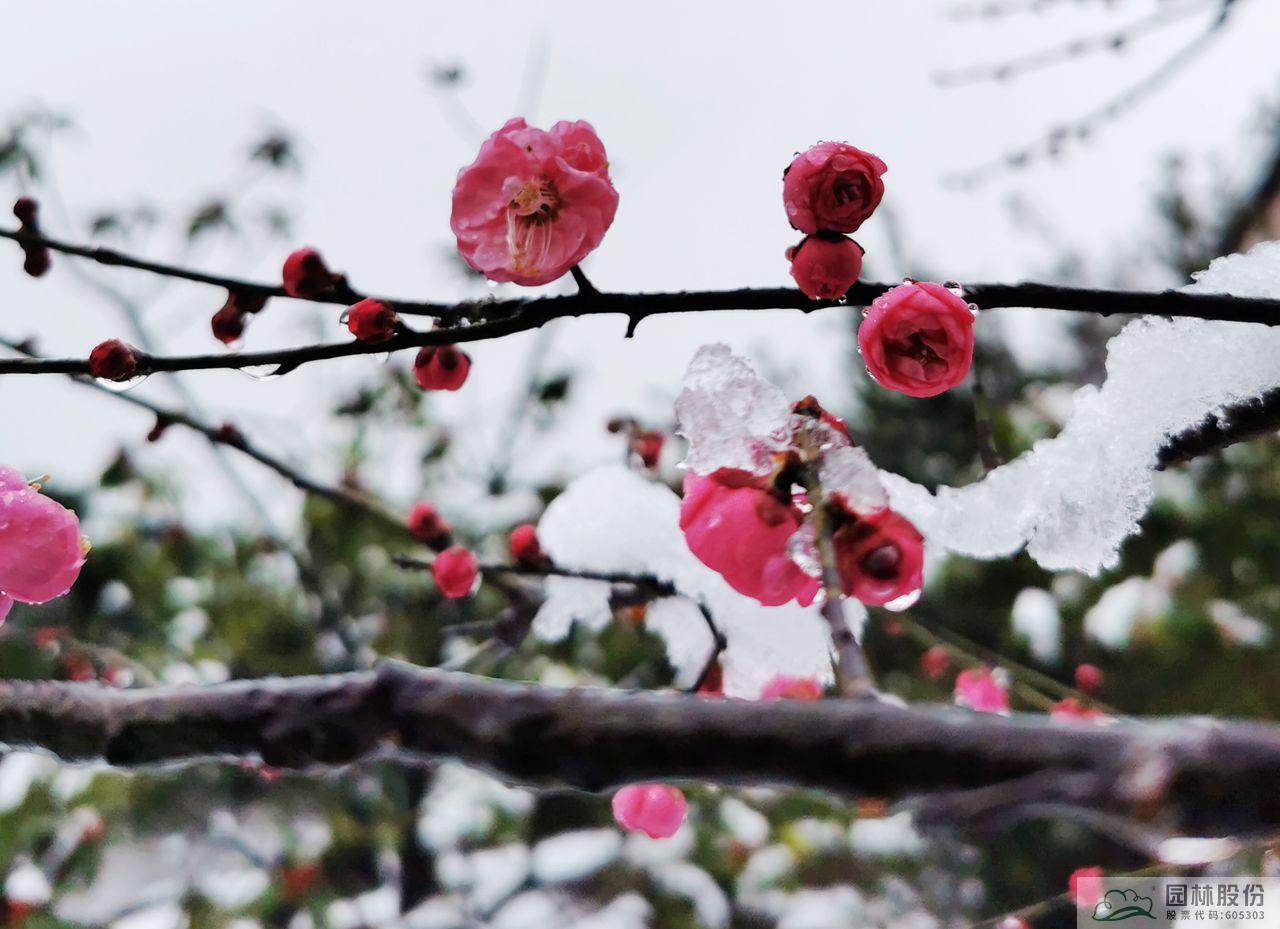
(657,810)
(742,531)
(41,549)
(534,203)
(832,187)
(978,689)
(917,339)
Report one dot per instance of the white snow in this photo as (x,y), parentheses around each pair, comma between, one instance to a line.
(1112,619)
(613,519)
(732,417)
(571,856)
(1035,618)
(1074,498)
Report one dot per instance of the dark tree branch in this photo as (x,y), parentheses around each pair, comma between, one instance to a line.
(507,317)
(343,296)
(1111,40)
(1057,138)
(1238,422)
(1199,776)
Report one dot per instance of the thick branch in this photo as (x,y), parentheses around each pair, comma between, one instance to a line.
(1200,776)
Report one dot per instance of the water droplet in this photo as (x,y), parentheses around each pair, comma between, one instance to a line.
(120,387)
(264,372)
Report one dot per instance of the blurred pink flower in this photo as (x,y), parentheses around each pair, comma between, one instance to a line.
(791,688)
(741,531)
(657,810)
(978,689)
(41,550)
(1085,885)
(534,203)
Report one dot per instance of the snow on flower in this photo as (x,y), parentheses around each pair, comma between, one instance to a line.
(747,522)
(41,549)
(534,203)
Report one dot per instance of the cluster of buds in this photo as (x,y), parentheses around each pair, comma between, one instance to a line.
(37,259)
(228,324)
(829,191)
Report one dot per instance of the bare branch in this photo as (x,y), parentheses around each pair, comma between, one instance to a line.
(501,318)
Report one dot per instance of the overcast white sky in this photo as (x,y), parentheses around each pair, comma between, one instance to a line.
(701,106)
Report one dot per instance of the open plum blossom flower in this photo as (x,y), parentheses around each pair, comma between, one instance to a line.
(833,187)
(738,528)
(41,549)
(979,690)
(879,556)
(657,810)
(534,203)
(917,339)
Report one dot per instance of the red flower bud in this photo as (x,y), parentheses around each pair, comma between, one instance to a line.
(524,546)
(228,324)
(825,265)
(426,523)
(306,275)
(441,367)
(917,339)
(647,446)
(36,259)
(113,360)
(879,556)
(1088,678)
(26,210)
(229,434)
(455,571)
(372,321)
(935,662)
